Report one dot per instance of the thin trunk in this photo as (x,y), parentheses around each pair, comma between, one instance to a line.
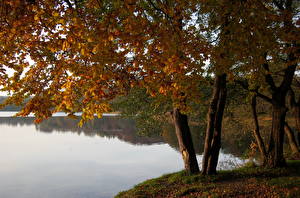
(291,137)
(256,132)
(297,120)
(216,141)
(185,142)
(212,142)
(210,124)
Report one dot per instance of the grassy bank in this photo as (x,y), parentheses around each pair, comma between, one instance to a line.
(242,182)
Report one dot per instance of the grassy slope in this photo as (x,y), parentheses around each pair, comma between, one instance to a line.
(243,182)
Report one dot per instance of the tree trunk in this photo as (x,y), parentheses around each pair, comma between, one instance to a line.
(210,124)
(185,142)
(297,120)
(212,142)
(256,132)
(216,141)
(291,137)
(275,150)
(295,107)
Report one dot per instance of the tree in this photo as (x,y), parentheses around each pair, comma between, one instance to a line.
(85,53)
(168,64)
(263,44)
(214,126)
(294,106)
(256,132)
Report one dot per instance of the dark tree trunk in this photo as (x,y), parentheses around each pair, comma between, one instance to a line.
(210,124)
(275,150)
(291,137)
(295,107)
(297,120)
(216,141)
(212,143)
(185,142)
(256,132)
(279,93)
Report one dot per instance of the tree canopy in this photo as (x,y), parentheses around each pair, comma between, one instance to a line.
(78,55)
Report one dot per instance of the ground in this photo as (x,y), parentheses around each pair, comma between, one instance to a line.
(244,182)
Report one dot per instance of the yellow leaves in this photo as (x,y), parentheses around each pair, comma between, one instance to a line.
(176,86)
(94,50)
(88,49)
(65,45)
(89,39)
(162,90)
(36,17)
(52,49)
(93,109)
(13,31)
(55,14)
(111,37)
(61,21)
(83,52)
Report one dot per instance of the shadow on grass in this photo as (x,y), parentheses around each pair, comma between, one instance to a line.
(182,184)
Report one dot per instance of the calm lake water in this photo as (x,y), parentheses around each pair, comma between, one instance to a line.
(56,159)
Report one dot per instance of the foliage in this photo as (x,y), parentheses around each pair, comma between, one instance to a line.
(78,56)
(149,113)
(84,54)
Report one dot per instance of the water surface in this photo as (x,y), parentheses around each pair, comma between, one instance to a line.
(58,159)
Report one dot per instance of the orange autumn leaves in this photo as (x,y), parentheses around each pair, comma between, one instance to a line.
(85,53)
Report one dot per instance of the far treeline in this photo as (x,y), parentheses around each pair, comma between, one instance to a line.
(9,107)
(78,56)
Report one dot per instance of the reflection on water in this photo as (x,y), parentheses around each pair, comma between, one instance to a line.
(110,127)
(58,159)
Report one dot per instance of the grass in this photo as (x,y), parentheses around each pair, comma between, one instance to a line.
(242,182)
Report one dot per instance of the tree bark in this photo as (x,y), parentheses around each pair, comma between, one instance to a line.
(291,137)
(185,142)
(275,150)
(256,132)
(210,124)
(216,141)
(212,142)
(297,120)
(279,93)
(295,107)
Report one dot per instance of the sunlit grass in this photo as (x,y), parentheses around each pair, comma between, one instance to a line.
(279,182)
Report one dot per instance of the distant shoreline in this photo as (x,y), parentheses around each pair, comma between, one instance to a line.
(58,114)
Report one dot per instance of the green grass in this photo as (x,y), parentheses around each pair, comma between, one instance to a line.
(279,182)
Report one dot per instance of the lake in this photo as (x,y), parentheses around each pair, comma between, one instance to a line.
(57,159)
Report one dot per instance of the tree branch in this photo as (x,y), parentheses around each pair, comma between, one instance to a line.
(159,9)
(69,3)
(278,4)
(269,78)
(245,85)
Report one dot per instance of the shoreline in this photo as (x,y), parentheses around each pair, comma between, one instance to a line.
(248,181)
